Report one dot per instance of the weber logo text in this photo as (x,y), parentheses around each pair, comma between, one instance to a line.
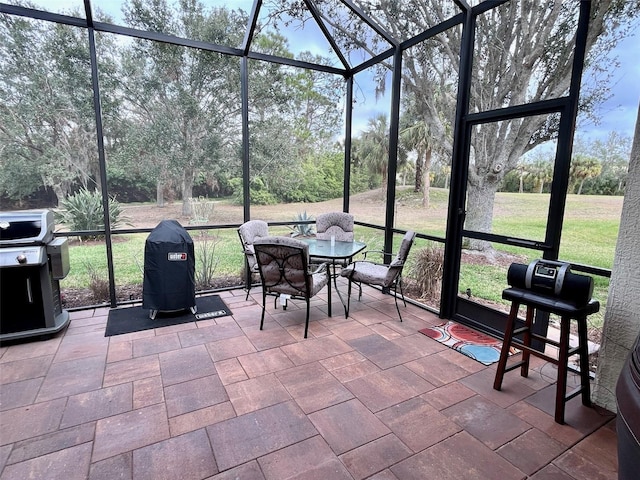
(216,313)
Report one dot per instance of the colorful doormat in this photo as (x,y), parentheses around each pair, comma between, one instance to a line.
(476,345)
(136,319)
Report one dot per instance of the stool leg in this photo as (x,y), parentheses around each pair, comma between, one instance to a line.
(584,361)
(526,340)
(563,363)
(504,352)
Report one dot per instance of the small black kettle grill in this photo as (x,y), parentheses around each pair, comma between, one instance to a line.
(169,270)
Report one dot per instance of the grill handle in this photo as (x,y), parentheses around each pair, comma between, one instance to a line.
(29,292)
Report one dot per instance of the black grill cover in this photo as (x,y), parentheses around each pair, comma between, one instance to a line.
(169,269)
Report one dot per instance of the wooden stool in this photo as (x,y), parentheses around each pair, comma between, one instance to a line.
(567,311)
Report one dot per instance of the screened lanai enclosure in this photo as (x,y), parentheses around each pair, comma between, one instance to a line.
(412,115)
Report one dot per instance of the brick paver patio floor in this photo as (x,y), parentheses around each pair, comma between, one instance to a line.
(363,397)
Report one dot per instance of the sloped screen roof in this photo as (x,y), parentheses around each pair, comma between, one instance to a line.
(339,34)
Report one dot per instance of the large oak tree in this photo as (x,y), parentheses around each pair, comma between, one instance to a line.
(183,103)
(47,125)
(523,53)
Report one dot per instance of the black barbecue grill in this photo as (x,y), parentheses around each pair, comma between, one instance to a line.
(32,262)
(169,270)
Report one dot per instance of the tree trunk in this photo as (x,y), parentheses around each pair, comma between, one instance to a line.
(580,187)
(187,191)
(426,180)
(160,193)
(384,183)
(59,192)
(418,185)
(480,201)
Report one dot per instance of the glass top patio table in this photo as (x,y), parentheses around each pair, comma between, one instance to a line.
(338,251)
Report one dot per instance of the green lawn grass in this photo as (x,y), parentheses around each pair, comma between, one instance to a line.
(87,258)
(589,237)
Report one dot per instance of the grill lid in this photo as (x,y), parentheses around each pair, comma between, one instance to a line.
(26,227)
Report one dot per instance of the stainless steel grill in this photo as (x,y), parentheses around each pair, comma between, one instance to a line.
(32,262)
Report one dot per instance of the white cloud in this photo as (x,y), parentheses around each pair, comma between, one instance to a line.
(619,113)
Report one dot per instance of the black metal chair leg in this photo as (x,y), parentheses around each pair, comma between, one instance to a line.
(264,307)
(248,276)
(346,311)
(402,292)
(344,306)
(398,309)
(395,297)
(306,324)
(329,297)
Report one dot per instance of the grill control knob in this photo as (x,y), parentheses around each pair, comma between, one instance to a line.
(22,258)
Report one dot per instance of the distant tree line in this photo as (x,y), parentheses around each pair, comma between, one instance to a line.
(597,168)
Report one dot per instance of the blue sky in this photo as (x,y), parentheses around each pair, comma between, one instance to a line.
(619,113)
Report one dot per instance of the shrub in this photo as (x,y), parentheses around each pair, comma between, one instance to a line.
(98,284)
(131,185)
(258,192)
(427,269)
(302,229)
(83,211)
(206,261)
(202,210)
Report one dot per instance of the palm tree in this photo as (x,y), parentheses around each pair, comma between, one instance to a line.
(582,168)
(375,148)
(542,171)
